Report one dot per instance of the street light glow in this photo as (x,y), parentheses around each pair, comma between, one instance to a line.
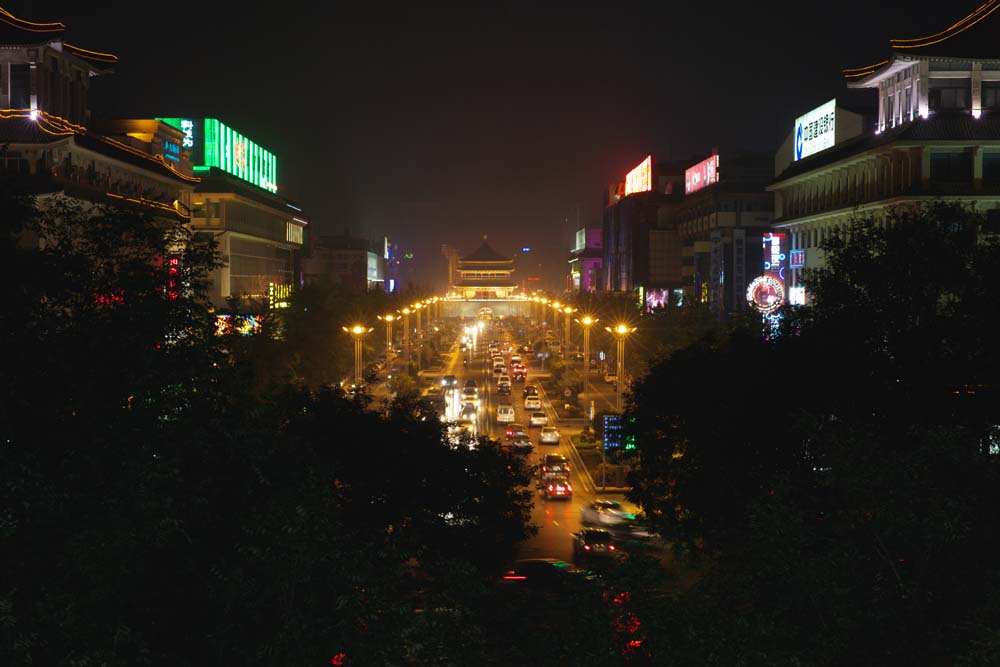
(587,320)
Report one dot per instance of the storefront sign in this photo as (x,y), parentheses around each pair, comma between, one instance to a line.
(215,144)
(701,175)
(640,179)
(766,294)
(796,259)
(816,130)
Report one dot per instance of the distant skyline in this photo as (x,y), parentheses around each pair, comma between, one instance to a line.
(439,125)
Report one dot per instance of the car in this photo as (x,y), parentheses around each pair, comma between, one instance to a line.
(504,378)
(520,374)
(539,573)
(471,384)
(532,403)
(449,381)
(550,435)
(470,395)
(525,349)
(606,513)
(538,419)
(529,390)
(503,390)
(554,465)
(468,412)
(611,378)
(522,443)
(515,361)
(514,429)
(557,486)
(505,414)
(498,370)
(593,544)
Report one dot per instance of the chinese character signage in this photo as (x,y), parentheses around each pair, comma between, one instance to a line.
(796,259)
(701,175)
(215,144)
(612,432)
(815,131)
(640,179)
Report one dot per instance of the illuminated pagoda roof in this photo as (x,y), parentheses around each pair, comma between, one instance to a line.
(485,253)
(973,37)
(20,32)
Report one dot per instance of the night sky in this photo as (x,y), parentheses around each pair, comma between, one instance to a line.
(439,125)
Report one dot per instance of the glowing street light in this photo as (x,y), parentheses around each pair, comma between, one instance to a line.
(620,332)
(567,311)
(388,319)
(406,336)
(358,333)
(586,322)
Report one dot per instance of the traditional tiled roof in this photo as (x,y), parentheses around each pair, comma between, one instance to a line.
(939,127)
(974,36)
(485,253)
(18,31)
(37,127)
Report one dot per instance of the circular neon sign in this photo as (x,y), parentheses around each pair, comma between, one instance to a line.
(766,294)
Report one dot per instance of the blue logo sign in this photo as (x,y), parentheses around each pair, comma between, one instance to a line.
(798,141)
(525,249)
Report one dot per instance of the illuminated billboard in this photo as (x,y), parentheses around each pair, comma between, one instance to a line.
(701,175)
(640,179)
(816,130)
(767,293)
(214,144)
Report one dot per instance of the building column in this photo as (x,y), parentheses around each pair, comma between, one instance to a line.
(977,89)
(925,167)
(920,85)
(977,167)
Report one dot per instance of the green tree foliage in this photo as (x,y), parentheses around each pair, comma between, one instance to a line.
(837,480)
(163,501)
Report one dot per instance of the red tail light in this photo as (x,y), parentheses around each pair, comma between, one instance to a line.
(586,547)
(550,487)
(611,547)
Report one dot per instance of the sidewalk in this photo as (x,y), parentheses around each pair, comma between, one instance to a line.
(590,456)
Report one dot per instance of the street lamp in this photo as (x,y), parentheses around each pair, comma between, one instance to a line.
(620,332)
(586,321)
(416,307)
(358,333)
(567,311)
(545,309)
(406,337)
(388,319)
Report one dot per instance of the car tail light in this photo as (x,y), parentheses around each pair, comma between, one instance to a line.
(586,547)
(611,547)
(550,487)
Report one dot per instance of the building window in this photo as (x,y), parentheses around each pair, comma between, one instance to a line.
(20,86)
(991,167)
(949,66)
(991,96)
(908,103)
(949,94)
(951,167)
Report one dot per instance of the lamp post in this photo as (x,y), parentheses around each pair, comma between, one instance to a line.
(545,309)
(358,333)
(586,321)
(406,338)
(388,319)
(420,345)
(567,311)
(620,332)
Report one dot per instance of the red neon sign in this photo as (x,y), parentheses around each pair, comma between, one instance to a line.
(701,175)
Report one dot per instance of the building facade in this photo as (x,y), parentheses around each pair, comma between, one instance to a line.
(484,274)
(49,150)
(345,260)
(936,135)
(585,260)
(259,233)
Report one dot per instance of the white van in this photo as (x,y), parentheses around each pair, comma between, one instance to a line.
(505,414)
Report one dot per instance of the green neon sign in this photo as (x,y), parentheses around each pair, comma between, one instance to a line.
(214,144)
